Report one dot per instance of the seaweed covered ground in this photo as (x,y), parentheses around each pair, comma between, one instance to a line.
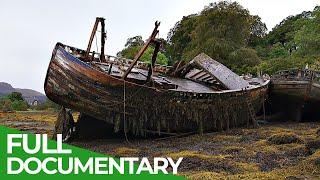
(283,150)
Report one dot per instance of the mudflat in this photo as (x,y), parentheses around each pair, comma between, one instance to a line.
(273,151)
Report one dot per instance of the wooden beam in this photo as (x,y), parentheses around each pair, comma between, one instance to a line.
(143,49)
(153,60)
(93,32)
(103,39)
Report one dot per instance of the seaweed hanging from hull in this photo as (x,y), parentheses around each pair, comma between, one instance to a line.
(174,112)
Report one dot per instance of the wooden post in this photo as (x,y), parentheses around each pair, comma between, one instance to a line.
(103,38)
(93,32)
(153,60)
(143,49)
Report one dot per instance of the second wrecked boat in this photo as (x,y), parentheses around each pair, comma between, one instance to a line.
(131,96)
(296,94)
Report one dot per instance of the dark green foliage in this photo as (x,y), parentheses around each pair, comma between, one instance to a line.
(13,101)
(15,96)
(284,34)
(179,37)
(244,60)
(19,105)
(277,51)
(223,30)
(308,37)
(294,43)
(273,65)
(134,41)
(132,47)
(244,56)
(228,33)
(5,105)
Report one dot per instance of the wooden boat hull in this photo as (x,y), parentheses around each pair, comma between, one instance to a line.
(136,108)
(296,99)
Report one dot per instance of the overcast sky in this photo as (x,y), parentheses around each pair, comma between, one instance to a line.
(30,29)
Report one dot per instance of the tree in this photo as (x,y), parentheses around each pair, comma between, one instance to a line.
(308,37)
(5,104)
(134,41)
(244,56)
(284,33)
(15,96)
(179,37)
(244,60)
(13,101)
(258,31)
(219,30)
(19,105)
(277,51)
(132,47)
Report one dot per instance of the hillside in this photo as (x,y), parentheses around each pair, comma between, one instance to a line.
(28,94)
(5,88)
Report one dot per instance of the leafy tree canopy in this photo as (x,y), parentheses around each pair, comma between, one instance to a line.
(15,96)
(13,101)
(228,33)
(219,30)
(132,47)
(134,41)
(307,37)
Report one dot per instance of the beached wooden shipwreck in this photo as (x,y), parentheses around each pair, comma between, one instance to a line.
(296,93)
(139,98)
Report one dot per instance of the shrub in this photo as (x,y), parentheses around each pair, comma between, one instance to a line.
(19,105)
(273,65)
(244,56)
(5,105)
(15,96)
(47,105)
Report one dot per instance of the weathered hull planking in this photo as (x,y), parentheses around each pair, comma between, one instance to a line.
(140,108)
(297,94)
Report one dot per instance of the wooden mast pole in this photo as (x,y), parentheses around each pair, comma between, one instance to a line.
(93,32)
(103,37)
(143,49)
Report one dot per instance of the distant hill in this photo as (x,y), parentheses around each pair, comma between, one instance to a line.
(6,88)
(28,94)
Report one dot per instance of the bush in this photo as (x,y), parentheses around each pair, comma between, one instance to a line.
(243,61)
(5,105)
(48,105)
(244,56)
(284,138)
(273,65)
(15,96)
(19,105)
(131,51)
(277,51)
(13,101)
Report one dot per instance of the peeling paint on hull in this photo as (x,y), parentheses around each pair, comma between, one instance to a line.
(77,85)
